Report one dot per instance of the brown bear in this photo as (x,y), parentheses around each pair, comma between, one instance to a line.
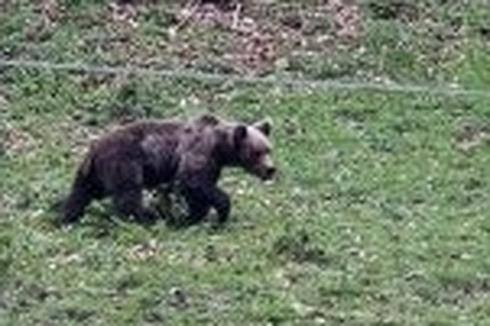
(146,154)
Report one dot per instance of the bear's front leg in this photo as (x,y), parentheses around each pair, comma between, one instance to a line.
(201,198)
(221,202)
(197,210)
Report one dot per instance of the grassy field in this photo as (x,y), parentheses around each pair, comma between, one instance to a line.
(380,214)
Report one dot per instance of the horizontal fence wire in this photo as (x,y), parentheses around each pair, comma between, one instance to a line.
(298,83)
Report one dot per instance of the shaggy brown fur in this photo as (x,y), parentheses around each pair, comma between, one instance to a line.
(146,154)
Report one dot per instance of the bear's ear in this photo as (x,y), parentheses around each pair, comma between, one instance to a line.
(265,126)
(239,134)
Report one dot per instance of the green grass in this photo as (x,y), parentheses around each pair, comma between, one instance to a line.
(379,216)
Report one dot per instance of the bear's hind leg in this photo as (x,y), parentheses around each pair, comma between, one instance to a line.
(74,206)
(125,184)
(130,203)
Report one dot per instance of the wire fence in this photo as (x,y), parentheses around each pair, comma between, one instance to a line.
(278,80)
(281,81)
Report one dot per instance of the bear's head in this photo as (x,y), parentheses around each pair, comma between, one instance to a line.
(253,149)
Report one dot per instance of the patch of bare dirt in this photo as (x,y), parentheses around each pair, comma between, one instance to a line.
(143,251)
(265,35)
(16,141)
(49,13)
(124,12)
(460,295)
(395,9)
(470,136)
(347,18)
(256,51)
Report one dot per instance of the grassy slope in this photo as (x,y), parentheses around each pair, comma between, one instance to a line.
(379,217)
